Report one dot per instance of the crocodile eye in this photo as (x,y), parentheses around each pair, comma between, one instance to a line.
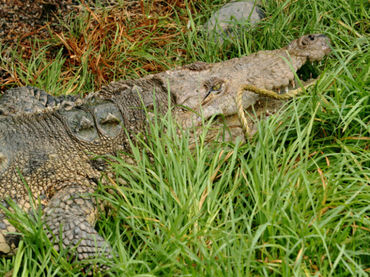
(216,89)
(214,86)
(108,119)
(81,124)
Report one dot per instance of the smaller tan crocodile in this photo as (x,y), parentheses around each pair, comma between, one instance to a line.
(49,143)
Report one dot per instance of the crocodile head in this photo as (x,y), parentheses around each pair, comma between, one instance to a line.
(206,91)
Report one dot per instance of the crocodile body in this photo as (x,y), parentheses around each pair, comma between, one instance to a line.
(49,143)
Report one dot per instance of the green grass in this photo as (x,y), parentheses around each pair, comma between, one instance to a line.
(293,201)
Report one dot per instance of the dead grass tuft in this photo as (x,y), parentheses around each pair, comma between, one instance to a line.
(122,41)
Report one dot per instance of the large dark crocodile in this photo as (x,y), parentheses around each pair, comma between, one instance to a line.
(48,143)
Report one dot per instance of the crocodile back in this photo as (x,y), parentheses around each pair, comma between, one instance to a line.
(29,100)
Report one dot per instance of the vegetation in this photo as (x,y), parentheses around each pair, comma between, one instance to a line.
(294,200)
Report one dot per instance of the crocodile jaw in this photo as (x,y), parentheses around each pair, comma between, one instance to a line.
(271,70)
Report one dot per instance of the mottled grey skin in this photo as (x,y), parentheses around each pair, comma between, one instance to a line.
(50,142)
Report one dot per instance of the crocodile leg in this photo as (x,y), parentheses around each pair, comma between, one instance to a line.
(72,211)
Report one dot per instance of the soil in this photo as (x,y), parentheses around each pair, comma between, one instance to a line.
(22,22)
(19,18)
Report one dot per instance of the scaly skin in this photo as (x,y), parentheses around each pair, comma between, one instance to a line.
(49,142)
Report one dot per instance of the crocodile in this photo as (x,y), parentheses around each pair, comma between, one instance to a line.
(48,144)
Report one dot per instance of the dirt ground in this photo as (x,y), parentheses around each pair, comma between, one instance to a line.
(19,19)
(24,22)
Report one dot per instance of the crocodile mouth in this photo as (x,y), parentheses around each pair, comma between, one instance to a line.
(309,70)
(231,126)
(266,106)
(307,75)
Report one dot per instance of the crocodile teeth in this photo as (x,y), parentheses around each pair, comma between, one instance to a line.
(286,89)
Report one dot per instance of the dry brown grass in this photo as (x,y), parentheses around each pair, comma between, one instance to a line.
(115,42)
